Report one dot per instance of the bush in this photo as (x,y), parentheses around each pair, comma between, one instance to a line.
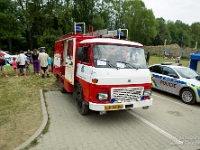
(185,57)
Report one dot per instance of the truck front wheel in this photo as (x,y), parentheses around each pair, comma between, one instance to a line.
(83,106)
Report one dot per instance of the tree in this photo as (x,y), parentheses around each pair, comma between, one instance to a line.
(195,34)
(140,21)
(163,33)
(33,23)
(173,30)
(41,21)
(11,27)
(184,34)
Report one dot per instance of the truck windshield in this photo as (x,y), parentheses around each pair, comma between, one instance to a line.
(118,56)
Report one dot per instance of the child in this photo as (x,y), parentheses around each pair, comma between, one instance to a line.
(27,66)
(14,65)
(49,64)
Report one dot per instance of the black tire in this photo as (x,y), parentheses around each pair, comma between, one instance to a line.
(57,80)
(188,96)
(61,86)
(82,106)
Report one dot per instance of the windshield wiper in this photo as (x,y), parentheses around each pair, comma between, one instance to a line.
(128,64)
(109,64)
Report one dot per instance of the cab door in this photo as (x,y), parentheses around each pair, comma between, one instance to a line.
(84,70)
(69,47)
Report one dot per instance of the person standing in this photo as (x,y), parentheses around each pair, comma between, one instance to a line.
(36,63)
(182,52)
(27,66)
(178,59)
(21,60)
(28,54)
(43,59)
(14,65)
(2,63)
(49,64)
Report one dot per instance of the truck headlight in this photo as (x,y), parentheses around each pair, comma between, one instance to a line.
(102,96)
(147,93)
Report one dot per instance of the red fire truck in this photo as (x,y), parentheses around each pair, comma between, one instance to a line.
(103,73)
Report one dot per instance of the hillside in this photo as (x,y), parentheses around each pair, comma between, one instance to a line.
(173,49)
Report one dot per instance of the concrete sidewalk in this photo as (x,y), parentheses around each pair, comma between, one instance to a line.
(118,130)
(39,131)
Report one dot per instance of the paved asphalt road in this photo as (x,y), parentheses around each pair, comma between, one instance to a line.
(168,124)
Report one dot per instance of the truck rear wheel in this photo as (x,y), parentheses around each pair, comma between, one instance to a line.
(83,106)
(61,86)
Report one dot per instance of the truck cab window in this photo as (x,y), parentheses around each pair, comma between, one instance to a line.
(109,55)
(83,54)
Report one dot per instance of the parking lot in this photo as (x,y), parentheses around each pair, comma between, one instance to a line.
(168,124)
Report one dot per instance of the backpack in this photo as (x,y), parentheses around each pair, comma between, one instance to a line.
(18,59)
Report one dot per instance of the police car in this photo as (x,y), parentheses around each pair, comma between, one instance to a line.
(178,80)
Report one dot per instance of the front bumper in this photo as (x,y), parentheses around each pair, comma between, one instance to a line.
(120,106)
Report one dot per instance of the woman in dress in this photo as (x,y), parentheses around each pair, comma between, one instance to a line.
(36,63)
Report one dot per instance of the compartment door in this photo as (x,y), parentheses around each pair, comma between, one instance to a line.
(70,46)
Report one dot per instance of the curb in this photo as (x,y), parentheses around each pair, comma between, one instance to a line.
(42,126)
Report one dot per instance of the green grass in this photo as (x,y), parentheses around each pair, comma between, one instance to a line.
(156,60)
(20,107)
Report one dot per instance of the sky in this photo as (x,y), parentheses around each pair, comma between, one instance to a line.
(187,11)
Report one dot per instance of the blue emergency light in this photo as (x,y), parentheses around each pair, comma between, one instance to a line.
(143,98)
(78,28)
(112,100)
(120,33)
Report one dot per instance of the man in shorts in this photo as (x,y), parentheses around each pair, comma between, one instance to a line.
(43,59)
(21,60)
(2,63)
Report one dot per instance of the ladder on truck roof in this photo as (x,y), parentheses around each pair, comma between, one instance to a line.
(97,32)
(103,33)
(108,34)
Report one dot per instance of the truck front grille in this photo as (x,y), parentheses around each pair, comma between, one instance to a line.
(127,94)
